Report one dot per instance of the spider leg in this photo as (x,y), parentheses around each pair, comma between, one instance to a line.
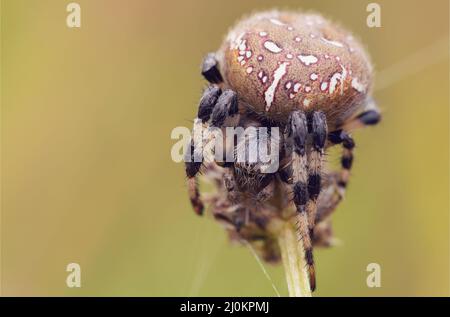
(207,102)
(318,124)
(369,116)
(225,108)
(225,113)
(192,169)
(334,191)
(210,69)
(348,144)
(216,108)
(297,130)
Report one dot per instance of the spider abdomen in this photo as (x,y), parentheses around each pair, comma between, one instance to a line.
(281,61)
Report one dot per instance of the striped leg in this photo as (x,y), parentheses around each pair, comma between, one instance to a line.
(337,182)
(192,169)
(342,137)
(346,160)
(319,135)
(206,106)
(215,106)
(298,131)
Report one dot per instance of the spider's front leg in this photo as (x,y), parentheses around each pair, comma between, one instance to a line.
(297,132)
(194,160)
(215,108)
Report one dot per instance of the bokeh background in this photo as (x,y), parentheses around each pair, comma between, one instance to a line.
(87,175)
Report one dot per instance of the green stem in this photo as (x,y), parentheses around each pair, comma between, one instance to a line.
(293,258)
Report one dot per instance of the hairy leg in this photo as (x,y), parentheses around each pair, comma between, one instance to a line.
(338,181)
(348,144)
(297,132)
(215,107)
(207,103)
(318,124)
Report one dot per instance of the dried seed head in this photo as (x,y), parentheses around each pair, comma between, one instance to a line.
(280,61)
(261,223)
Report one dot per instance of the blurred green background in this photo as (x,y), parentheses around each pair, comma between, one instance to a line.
(87,175)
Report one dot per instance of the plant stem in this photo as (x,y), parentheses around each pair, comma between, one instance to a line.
(292,254)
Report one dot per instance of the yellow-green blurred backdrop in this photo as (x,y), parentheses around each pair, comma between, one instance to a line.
(87,175)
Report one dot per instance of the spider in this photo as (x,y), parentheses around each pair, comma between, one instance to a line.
(310,78)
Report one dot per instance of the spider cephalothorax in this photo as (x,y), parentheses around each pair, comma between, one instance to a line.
(308,77)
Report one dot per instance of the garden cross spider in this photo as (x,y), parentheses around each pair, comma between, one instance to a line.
(310,78)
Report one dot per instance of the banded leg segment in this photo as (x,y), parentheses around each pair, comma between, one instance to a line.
(207,102)
(298,131)
(370,116)
(319,135)
(337,181)
(215,107)
(192,169)
(347,159)
(348,144)
(226,107)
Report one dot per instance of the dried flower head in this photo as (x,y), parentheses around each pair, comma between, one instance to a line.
(295,73)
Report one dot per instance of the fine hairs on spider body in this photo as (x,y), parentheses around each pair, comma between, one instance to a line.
(311,79)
